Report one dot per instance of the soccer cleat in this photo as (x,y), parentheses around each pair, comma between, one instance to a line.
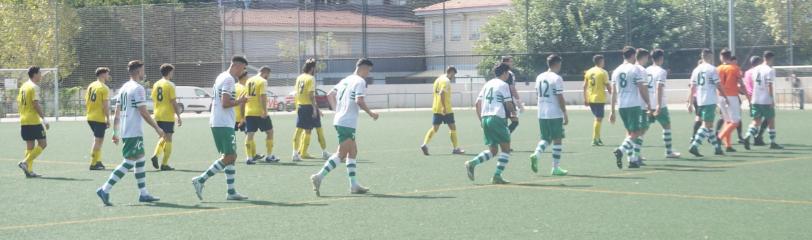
(358,189)
(635,164)
(595,143)
(306,156)
(105,197)
(154,160)
(719,152)
(96,167)
(470,168)
(741,140)
(236,197)
(198,187)
(534,163)
(730,149)
(325,155)
(759,142)
(425,149)
(497,179)
(776,146)
(695,151)
(167,168)
(250,161)
(272,159)
(559,172)
(258,157)
(148,198)
(600,142)
(24,167)
(315,179)
(746,143)
(295,157)
(673,155)
(619,158)
(458,151)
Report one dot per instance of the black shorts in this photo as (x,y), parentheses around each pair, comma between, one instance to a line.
(238,128)
(304,118)
(598,109)
(253,123)
(442,119)
(32,132)
(168,127)
(98,128)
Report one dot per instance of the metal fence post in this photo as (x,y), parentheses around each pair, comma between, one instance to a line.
(801,99)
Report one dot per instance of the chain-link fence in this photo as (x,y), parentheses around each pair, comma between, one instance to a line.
(410,41)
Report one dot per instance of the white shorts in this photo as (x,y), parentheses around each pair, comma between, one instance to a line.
(732,112)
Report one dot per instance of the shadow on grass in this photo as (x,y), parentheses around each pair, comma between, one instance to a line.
(275,204)
(551,185)
(389,196)
(175,206)
(687,166)
(286,164)
(66,179)
(712,160)
(603,177)
(179,170)
(680,169)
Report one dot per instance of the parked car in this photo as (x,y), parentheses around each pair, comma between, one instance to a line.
(193,99)
(321,100)
(274,103)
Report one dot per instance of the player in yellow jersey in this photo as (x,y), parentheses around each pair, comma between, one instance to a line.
(256,116)
(98,114)
(443,114)
(32,120)
(596,85)
(166,108)
(239,111)
(308,113)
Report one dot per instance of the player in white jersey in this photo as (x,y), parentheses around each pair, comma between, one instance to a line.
(347,98)
(657,77)
(631,97)
(493,108)
(222,121)
(641,60)
(552,114)
(763,108)
(705,83)
(132,108)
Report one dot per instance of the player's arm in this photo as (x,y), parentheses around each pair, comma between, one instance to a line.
(116,122)
(607,84)
(263,99)
(691,97)
(660,95)
(586,93)
(363,105)
(515,96)
(331,98)
(174,101)
(106,107)
(614,102)
(228,101)
(479,109)
(643,89)
(441,91)
(563,106)
(38,108)
(142,109)
(311,93)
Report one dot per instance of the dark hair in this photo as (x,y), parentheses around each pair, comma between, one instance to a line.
(755,60)
(705,52)
(309,65)
(641,53)
(166,68)
(597,58)
(657,54)
(364,62)
(33,70)
(768,55)
(628,52)
(733,58)
(553,59)
(507,58)
(239,59)
(450,69)
(102,70)
(726,54)
(134,65)
(265,69)
(500,69)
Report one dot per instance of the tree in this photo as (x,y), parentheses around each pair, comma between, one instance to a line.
(776,18)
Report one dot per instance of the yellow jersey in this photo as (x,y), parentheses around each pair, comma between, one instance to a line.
(442,89)
(596,80)
(305,84)
(163,92)
(256,88)
(240,90)
(96,96)
(28,96)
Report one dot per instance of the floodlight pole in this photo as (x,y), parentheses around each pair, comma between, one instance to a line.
(731,22)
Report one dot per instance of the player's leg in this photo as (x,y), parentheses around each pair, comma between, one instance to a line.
(126,165)
(98,139)
(158,150)
(452,129)
(352,154)
(141,179)
(24,165)
(557,151)
(297,139)
(759,138)
(250,147)
(305,143)
(501,163)
(167,151)
(484,156)
(598,111)
(35,152)
(637,142)
(771,125)
(436,120)
(268,125)
(305,121)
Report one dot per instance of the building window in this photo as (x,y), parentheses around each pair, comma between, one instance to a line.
(473,29)
(456,30)
(437,31)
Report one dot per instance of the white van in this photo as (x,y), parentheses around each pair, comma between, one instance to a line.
(193,99)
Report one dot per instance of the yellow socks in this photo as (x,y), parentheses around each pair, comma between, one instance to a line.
(95,156)
(159,148)
(596,130)
(322,142)
(454,139)
(167,151)
(29,159)
(429,134)
(268,145)
(250,148)
(297,138)
(305,144)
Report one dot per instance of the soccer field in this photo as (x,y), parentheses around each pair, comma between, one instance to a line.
(758,194)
